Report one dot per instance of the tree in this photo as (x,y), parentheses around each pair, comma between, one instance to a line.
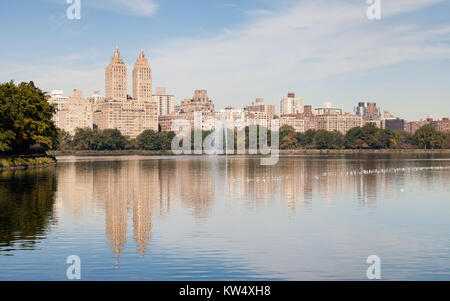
(98,140)
(83,139)
(148,140)
(369,137)
(289,141)
(403,139)
(328,140)
(25,119)
(448,140)
(288,137)
(352,139)
(151,140)
(427,137)
(64,140)
(307,139)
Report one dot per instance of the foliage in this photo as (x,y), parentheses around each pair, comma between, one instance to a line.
(27,211)
(25,119)
(97,140)
(427,137)
(366,137)
(155,141)
(64,139)
(18,161)
(328,140)
(369,137)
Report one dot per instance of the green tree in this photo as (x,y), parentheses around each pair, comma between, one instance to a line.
(402,139)
(151,140)
(307,138)
(83,139)
(64,140)
(369,137)
(352,139)
(112,139)
(148,140)
(25,119)
(328,140)
(427,137)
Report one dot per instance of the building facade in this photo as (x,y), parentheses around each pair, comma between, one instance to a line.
(396,124)
(165,102)
(58,100)
(142,79)
(341,123)
(260,106)
(291,105)
(199,103)
(131,116)
(116,78)
(76,113)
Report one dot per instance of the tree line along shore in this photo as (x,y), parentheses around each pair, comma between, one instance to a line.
(366,138)
(29,137)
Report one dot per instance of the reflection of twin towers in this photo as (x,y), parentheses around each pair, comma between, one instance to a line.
(144,189)
(149,189)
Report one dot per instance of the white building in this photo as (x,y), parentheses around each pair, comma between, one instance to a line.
(164,101)
(59,100)
(291,105)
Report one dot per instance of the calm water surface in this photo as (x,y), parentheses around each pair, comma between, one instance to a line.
(216,218)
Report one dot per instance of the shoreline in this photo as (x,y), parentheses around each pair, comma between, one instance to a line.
(282,152)
(21,163)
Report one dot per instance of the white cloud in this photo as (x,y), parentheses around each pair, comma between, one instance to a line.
(145,8)
(311,41)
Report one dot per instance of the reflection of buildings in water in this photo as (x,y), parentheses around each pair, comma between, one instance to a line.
(145,192)
(74,189)
(196,183)
(164,202)
(249,181)
(115,186)
(258,184)
(149,187)
(300,177)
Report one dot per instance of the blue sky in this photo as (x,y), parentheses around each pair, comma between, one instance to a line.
(241,50)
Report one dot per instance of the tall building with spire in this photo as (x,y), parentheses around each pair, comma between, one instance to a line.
(131,116)
(142,79)
(116,78)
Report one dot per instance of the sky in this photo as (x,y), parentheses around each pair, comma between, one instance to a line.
(240,50)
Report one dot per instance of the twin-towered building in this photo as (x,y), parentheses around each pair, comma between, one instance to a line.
(117,110)
(143,110)
(130,115)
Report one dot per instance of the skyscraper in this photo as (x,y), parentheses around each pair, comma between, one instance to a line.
(142,79)
(116,78)
(117,111)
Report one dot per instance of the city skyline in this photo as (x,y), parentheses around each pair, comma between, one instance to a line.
(260,49)
(143,110)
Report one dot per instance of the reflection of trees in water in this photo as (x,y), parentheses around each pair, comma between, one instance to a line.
(323,176)
(134,192)
(26,206)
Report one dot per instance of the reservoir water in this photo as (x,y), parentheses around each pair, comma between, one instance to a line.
(310,217)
